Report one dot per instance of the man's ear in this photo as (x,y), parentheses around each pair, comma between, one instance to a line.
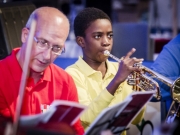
(24,35)
(80,41)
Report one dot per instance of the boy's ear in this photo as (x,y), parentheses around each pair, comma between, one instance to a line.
(80,41)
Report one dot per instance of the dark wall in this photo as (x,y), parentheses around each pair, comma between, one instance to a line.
(40,3)
(104,5)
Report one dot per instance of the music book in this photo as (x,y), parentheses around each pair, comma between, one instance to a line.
(117,118)
(59,111)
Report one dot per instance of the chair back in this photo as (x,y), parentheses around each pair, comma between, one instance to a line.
(13,17)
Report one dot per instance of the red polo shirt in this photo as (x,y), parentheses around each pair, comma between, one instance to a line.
(55,84)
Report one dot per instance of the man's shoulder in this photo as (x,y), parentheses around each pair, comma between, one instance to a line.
(58,71)
(8,60)
(5,71)
(55,67)
(3,64)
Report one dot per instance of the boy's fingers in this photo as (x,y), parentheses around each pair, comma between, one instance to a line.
(130,53)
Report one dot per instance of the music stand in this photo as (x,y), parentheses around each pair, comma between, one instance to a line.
(118,117)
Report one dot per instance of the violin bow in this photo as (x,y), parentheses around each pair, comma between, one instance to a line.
(25,70)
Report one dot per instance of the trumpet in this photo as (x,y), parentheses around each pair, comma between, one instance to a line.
(145,80)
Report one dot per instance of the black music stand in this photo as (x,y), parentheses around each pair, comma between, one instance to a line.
(117,118)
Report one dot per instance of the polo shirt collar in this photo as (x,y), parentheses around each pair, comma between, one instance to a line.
(47,74)
(111,69)
(87,70)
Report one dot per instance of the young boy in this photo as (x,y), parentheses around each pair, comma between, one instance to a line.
(100,83)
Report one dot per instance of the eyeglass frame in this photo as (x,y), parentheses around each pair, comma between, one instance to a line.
(48,46)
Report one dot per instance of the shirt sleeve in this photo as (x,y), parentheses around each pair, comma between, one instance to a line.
(168,65)
(167,62)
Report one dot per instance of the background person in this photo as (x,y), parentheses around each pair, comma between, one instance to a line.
(168,64)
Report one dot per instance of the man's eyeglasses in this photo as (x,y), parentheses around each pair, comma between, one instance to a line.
(42,44)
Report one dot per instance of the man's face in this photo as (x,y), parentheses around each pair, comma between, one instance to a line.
(98,39)
(52,33)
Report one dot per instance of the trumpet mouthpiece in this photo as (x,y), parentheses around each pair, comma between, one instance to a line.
(106,53)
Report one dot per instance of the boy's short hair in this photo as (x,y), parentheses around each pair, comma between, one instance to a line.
(84,19)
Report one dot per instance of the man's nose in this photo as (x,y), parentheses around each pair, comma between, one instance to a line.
(47,53)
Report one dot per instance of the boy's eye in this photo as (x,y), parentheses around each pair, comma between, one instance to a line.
(110,35)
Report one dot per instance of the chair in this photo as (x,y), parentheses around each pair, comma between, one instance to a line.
(129,35)
(13,17)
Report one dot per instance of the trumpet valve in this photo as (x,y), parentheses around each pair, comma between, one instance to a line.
(138,64)
(131,81)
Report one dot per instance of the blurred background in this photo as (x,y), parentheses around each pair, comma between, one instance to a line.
(146,25)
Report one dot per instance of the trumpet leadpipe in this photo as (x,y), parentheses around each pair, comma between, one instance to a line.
(107,53)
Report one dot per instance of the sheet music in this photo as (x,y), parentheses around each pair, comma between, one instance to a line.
(118,117)
(59,111)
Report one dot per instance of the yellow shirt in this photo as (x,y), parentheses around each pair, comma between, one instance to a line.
(92,90)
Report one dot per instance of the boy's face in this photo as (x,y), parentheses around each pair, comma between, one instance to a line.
(98,38)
